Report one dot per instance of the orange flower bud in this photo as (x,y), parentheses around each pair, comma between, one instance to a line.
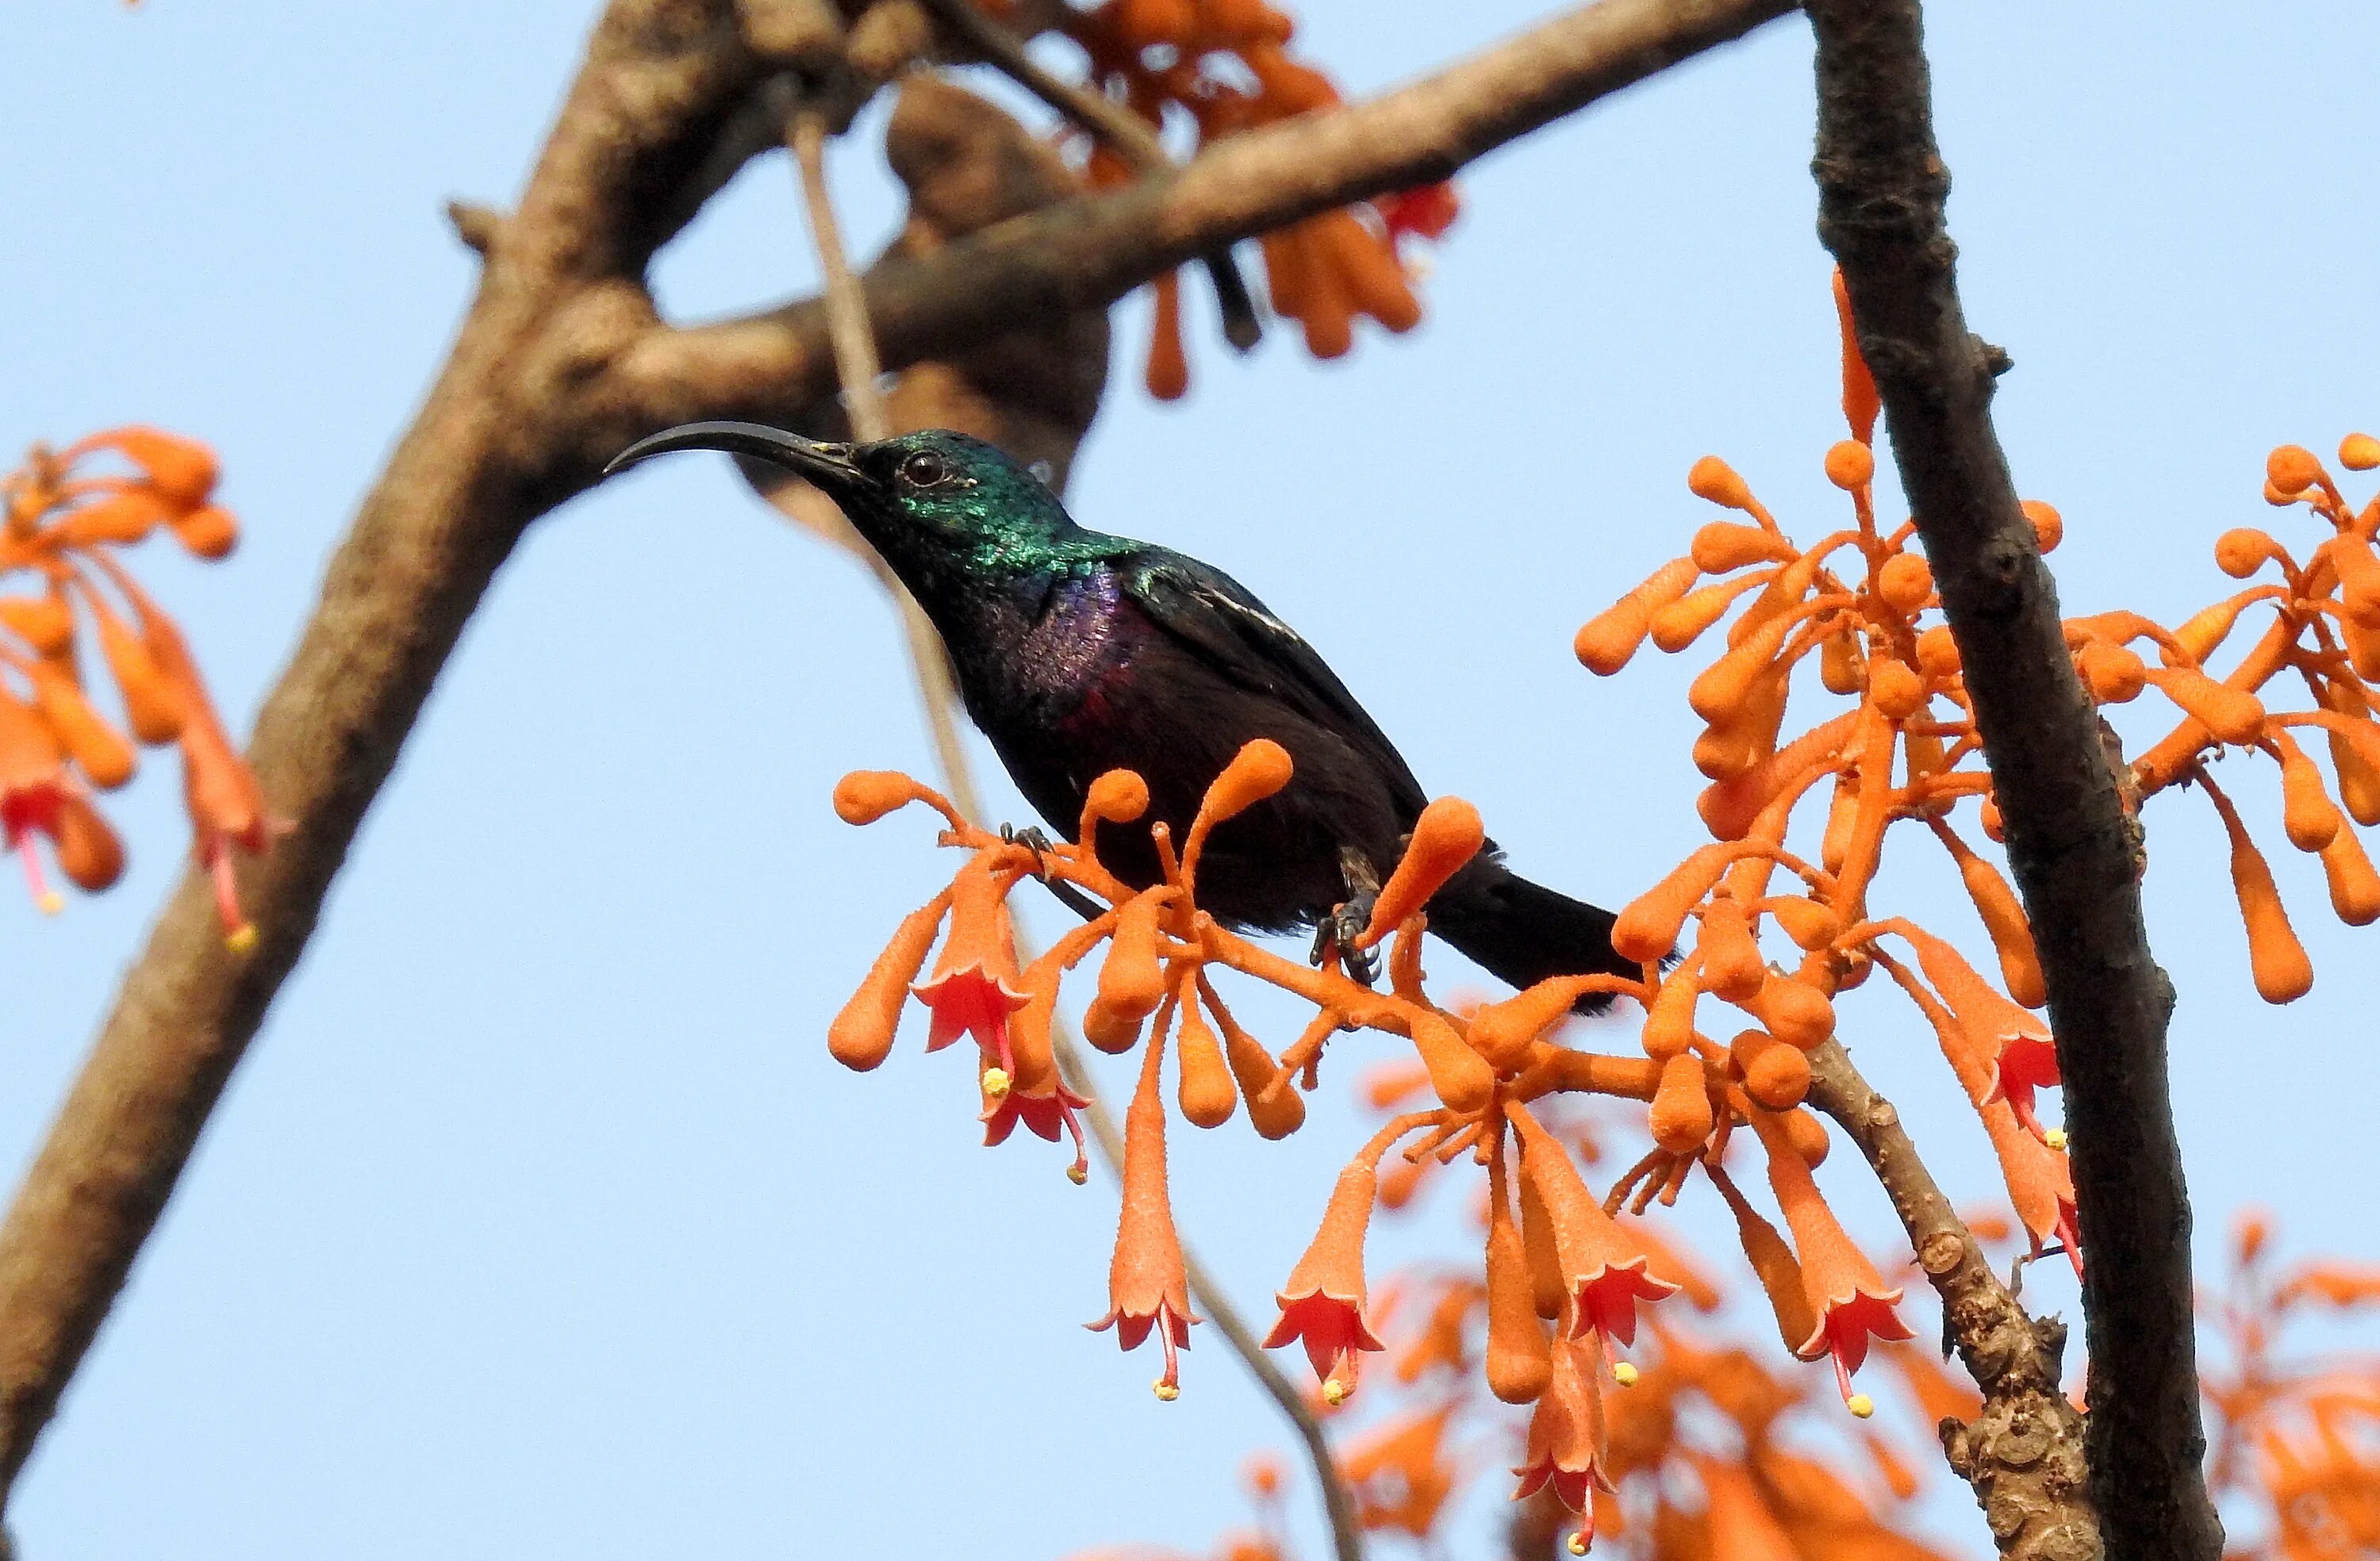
(1860,403)
(1275,1107)
(210,531)
(1737,743)
(1810,924)
(1808,1137)
(2004,918)
(1774,1265)
(2354,887)
(1722,686)
(1520,1358)
(1842,663)
(1445,838)
(124,517)
(98,749)
(1897,691)
(2233,715)
(1286,264)
(1680,1117)
(1793,1010)
(1367,267)
(2291,469)
(2049,527)
(1905,582)
(1714,479)
(1462,1078)
(2206,630)
(1937,652)
(1730,960)
(1206,1093)
(1669,1022)
(2243,551)
(1725,545)
(1290,87)
(2358,783)
(1684,621)
(2114,674)
(182,470)
(2359,452)
(1610,640)
(2359,578)
(1258,771)
(1168,373)
(88,852)
(47,623)
(865,796)
(1132,982)
(1110,1031)
(1329,315)
(1503,1031)
(1647,928)
(861,1035)
(2278,960)
(1850,466)
(2308,815)
(1729,808)
(1775,1075)
(151,704)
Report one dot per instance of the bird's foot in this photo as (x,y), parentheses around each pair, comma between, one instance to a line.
(1336,938)
(1033,840)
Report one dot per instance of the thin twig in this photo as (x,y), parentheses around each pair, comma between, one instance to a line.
(1881,186)
(856,362)
(1122,131)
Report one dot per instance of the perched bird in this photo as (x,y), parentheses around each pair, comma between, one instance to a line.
(1078,653)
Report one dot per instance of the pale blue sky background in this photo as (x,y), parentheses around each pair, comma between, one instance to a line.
(540,1222)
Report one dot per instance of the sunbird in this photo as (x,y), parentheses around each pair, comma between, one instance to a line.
(1078,653)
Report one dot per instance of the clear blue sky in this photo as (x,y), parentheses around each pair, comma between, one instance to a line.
(539,1221)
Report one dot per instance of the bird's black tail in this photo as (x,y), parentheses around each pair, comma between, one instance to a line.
(1521,932)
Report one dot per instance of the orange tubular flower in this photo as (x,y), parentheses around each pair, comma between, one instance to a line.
(1323,1303)
(1147,1286)
(1603,1273)
(1519,1359)
(973,987)
(1566,1448)
(1849,1298)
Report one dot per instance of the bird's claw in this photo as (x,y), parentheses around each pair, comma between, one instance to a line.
(1033,840)
(1337,936)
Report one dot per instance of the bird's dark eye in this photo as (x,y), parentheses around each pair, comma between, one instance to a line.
(924,469)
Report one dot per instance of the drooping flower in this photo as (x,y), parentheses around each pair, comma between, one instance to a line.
(1322,1304)
(1147,1285)
(1566,1449)
(1604,1273)
(973,987)
(1847,1296)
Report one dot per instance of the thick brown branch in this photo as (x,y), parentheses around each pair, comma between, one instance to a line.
(2023,1453)
(1881,186)
(1090,252)
(559,364)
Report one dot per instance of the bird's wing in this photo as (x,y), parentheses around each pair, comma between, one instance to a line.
(1221,623)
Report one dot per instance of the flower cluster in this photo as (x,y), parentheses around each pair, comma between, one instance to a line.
(67,510)
(1225,66)
(2297,1439)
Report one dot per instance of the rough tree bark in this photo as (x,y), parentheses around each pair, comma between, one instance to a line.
(1881,185)
(560,362)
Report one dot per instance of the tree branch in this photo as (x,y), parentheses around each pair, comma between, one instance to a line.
(2023,1453)
(1881,186)
(559,363)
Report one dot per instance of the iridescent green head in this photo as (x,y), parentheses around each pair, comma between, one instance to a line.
(940,507)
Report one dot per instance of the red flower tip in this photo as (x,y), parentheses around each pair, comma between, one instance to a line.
(1424,211)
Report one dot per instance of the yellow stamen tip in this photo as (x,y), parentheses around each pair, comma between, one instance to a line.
(995,1083)
(2055,1138)
(1859,1405)
(1078,1174)
(1334,1392)
(241,939)
(51,902)
(1166,1392)
(1577,1544)
(1623,1373)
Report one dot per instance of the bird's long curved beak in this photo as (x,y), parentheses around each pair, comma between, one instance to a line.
(830,465)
